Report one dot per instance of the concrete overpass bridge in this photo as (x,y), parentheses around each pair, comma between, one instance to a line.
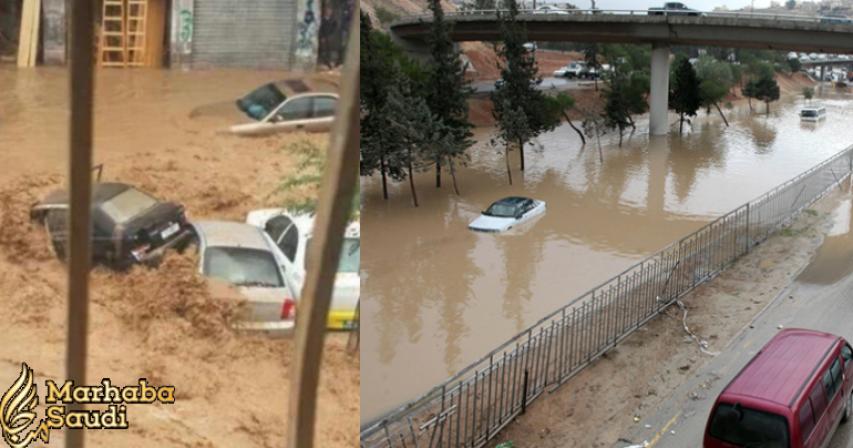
(725,29)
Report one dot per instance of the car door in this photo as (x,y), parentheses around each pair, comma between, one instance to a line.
(324,113)
(277,227)
(294,114)
(832,381)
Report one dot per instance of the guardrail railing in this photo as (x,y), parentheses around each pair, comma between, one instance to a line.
(471,407)
(639,12)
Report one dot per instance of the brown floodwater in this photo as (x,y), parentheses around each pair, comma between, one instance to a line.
(834,259)
(437,296)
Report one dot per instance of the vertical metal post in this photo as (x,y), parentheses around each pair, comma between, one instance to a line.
(80,180)
(524,394)
(748,245)
(333,210)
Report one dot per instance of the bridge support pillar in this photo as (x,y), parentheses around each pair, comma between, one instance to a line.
(659,90)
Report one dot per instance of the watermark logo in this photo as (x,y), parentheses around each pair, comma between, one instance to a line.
(18,406)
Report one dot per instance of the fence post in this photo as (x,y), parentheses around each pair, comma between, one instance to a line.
(524,393)
(748,243)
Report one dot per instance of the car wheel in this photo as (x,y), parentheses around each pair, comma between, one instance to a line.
(847,409)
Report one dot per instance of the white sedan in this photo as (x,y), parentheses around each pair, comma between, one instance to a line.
(507,213)
(292,232)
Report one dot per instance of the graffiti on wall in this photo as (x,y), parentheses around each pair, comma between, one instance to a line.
(307,30)
(335,20)
(182,27)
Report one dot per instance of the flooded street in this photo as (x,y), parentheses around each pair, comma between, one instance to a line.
(162,132)
(438,296)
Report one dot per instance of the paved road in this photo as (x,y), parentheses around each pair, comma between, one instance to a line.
(680,422)
(547,83)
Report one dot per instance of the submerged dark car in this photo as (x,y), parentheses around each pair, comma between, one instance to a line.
(128,225)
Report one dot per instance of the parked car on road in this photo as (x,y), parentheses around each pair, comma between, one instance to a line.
(571,70)
(674,9)
(292,232)
(507,213)
(275,112)
(792,394)
(548,9)
(245,257)
(128,225)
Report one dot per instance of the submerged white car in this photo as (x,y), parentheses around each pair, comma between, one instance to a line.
(246,258)
(292,234)
(275,112)
(507,213)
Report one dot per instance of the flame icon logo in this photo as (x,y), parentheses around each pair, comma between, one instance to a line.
(16,412)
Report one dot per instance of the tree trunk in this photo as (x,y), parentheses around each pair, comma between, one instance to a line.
(569,120)
(453,176)
(521,153)
(506,158)
(766,108)
(749,100)
(681,123)
(631,120)
(438,172)
(384,179)
(595,78)
(598,139)
(412,180)
(620,137)
(721,114)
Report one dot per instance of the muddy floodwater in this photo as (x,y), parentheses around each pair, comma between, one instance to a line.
(437,296)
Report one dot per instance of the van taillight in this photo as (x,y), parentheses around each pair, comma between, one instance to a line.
(288,309)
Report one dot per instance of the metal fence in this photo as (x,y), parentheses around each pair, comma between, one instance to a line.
(475,404)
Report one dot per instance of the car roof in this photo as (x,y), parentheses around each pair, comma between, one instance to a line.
(779,372)
(101,192)
(304,222)
(231,234)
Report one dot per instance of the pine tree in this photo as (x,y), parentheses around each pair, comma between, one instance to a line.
(447,96)
(520,109)
(684,96)
(767,90)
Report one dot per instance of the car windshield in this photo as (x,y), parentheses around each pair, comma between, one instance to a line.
(242,267)
(501,210)
(748,427)
(126,205)
(809,113)
(350,255)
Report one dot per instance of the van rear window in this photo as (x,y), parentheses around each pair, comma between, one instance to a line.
(749,427)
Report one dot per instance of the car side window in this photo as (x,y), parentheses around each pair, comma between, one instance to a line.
(275,227)
(296,109)
(289,243)
(846,354)
(830,383)
(806,420)
(818,400)
(324,106)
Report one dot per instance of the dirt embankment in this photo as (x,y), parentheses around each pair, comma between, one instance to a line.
(593,408)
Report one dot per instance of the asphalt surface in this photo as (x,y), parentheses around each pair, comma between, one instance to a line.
(680,421)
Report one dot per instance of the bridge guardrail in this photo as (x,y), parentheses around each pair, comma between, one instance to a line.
(640,12)
(471,407)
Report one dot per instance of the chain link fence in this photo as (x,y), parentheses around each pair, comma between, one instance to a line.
(475,404)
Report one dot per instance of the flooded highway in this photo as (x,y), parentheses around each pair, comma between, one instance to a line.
(437,296)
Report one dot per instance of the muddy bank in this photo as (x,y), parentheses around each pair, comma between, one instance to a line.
(164,324)
(596,407)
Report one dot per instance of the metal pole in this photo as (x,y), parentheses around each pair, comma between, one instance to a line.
(333,210)
(80,180)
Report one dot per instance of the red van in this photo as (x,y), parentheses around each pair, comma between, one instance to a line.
(792,394)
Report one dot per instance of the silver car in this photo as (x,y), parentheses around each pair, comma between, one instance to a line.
(245,257)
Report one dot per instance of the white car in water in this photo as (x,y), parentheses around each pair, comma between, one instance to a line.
(292,234)
(275,112)
(507,213)
(246,258)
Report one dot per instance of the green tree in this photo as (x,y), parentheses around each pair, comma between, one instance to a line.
(624,96)
(790,4)
(685,95)
(767,90)
(716,80)
(808,93)
(560,105)
(795,65)
(447,95)
(590,56)
(520,109)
